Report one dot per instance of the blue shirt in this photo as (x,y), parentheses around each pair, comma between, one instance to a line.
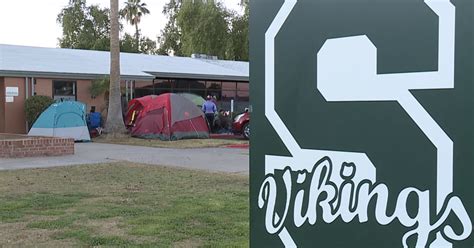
(209,107)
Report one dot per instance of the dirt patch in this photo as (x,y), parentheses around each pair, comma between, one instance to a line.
(18,235)
(188,243)
(108,227)
(114,227)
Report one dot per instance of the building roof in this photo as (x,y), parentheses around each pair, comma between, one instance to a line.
(75,63)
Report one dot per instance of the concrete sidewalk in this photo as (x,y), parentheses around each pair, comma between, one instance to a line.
(209,159)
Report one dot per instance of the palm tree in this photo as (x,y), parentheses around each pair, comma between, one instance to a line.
(114,125)
(133,12)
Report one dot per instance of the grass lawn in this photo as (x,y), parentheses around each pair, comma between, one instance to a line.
(122,205)
(187,143)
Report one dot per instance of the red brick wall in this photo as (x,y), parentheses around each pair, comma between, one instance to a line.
(36,147)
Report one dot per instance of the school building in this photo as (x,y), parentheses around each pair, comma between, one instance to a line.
(68,74)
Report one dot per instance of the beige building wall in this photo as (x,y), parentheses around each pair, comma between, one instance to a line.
(12,115)
(83,95)
(44,87)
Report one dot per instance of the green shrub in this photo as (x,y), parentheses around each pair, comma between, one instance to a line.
(34,106)
(99,86)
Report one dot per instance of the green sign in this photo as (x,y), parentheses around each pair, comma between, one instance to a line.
(363,123)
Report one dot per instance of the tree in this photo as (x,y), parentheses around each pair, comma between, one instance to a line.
(204,27)
(194,27)
(133,12)
(114,124)
(88,27)
(239,35)
(238,42)
(170,39)
(84,27)
(147,45)
(127,44)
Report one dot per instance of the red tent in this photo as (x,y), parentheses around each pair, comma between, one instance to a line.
(167,117)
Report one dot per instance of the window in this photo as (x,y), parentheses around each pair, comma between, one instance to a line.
(163,84)
(159,86)
(243,91)
(228,91)
(198,88)
(201,93)
(214,89)
(143,89)
(182,84)
(243,87)
(197,85)
(64,90)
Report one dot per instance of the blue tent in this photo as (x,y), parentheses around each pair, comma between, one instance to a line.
(63,119)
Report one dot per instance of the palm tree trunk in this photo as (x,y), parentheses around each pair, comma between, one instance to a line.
(114,125)
(137,37)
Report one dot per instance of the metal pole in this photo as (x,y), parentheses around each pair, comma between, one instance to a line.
(74,91)
(26,97)
(33,82)
(126,90)
(26,87)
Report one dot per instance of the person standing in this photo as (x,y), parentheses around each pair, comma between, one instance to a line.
(209,108)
